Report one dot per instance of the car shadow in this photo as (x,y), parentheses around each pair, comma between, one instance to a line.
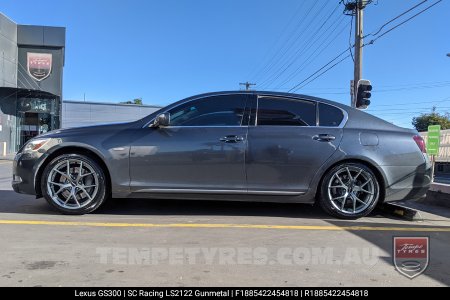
(11,202)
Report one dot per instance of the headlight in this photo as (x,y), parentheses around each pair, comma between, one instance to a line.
(35,145)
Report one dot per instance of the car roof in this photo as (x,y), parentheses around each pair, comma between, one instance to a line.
(356,118)
(275,94)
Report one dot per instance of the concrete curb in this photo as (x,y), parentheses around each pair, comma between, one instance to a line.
(438,195)
(7,157)
(440,187)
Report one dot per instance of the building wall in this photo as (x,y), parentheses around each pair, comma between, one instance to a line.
(41,39)
(78,113)
(22,95)
(8,79)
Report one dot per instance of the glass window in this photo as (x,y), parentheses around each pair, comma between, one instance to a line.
(224,110)
(286,112)
(329,115)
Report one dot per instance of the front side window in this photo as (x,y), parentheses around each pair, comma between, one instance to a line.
(329,116)
(286,112)
(224,110)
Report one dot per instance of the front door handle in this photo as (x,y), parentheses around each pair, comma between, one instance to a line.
(324,137)
(231,139)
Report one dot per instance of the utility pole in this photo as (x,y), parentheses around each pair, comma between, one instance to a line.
(358,47)
(356,8)
(247,85)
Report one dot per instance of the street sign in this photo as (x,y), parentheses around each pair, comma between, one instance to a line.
(434,135)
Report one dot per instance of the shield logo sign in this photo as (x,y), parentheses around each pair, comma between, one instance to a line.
(411,255)
(39,65)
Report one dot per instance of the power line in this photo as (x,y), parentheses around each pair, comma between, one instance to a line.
(407,109)
(299,86)
(279,37)
(301,50)
(428,83)
(421,102)
(350,38)
(295,41)
(397,17)
(313,56)
(400,24)
(271,62)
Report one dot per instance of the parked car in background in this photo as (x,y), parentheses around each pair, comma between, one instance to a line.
(239,146)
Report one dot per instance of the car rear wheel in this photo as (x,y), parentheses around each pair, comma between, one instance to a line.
(74,184)
(349,191)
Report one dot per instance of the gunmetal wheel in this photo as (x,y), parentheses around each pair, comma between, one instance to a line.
(74,184)
(349,191)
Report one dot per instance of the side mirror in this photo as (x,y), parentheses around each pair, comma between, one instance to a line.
(162,120)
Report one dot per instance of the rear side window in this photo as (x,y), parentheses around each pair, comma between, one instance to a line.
(224,110)
(285,112)
(330,116)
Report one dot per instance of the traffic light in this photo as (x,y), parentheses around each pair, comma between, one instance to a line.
(363,94)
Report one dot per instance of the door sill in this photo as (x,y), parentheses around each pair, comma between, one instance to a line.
(212,191)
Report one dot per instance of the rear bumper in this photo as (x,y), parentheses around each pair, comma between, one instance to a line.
(413,186)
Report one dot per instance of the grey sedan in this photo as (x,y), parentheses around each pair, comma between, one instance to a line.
(238,146)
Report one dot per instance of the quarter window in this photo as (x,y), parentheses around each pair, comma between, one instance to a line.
(286,112)
(224,110)
(329,116)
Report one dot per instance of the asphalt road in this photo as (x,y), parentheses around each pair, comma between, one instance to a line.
(195,243)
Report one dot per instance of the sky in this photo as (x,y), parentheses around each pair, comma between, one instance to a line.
(166,50)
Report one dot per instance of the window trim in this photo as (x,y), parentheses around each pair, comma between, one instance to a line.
(256,97)
(317,102)
(169,107)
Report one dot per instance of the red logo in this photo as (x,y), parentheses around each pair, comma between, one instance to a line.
(39,65)
(411,255)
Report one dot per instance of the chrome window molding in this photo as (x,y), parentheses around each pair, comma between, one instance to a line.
(193,99)
(341,125)
(316,102)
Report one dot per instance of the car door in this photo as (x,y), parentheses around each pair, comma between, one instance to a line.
(287,145)
(202,150)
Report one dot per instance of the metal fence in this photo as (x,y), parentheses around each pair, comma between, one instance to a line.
(444,149)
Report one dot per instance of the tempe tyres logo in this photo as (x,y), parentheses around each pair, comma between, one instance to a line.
(39,65)
(411,255)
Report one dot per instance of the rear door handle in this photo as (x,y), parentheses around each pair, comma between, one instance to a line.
(231,139)
(324,137)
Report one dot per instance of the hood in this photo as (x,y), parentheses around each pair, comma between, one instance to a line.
(86,129)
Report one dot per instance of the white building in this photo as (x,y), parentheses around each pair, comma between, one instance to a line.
(80,113)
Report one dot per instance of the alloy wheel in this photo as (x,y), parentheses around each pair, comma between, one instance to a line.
(351,190)
(72,184)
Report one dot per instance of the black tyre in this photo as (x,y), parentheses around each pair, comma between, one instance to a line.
(74,184)
(349,191)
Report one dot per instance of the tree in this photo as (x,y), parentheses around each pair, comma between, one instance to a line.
(422,122)
(137,101)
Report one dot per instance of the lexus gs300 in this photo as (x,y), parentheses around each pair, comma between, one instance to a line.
(237,146)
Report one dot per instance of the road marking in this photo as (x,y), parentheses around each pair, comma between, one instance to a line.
(247,226)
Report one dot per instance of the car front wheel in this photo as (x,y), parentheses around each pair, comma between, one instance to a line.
(349,191)
(74,184)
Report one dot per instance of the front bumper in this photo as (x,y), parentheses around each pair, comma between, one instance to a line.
(25,168)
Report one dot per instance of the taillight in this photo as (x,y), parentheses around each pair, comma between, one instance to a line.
(420,143)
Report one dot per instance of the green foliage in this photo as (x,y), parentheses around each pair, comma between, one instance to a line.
(137,101)
(422,122)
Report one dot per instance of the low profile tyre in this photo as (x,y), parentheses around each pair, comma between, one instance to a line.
(74,184)
(349,191)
